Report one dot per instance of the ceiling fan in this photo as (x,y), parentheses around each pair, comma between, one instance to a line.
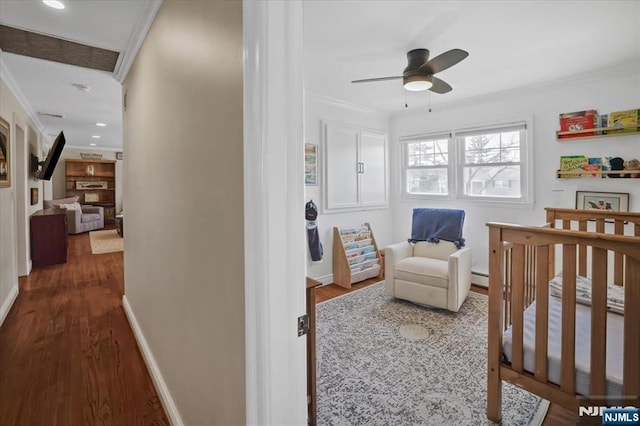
(418,75)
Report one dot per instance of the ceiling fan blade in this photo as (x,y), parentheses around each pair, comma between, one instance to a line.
(445,60)
(366,80)
(440,86)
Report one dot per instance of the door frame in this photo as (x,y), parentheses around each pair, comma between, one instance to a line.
(23,258)
(275,253)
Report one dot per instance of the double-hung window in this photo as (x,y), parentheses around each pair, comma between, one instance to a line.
(493,163)
(484,164)
(426,165)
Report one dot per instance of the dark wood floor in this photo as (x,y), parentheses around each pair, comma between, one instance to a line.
(67,354)
(556,416)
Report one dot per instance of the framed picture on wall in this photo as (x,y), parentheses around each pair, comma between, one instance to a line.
(310,164)
(608,201)
(5,154)
(34,196)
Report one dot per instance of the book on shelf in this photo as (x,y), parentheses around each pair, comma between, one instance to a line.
(578,121)
(571,165)
(628,118)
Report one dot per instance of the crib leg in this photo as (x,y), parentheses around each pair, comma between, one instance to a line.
(494,396)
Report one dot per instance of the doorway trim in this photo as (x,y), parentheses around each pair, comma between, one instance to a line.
(23,258)
(275,254)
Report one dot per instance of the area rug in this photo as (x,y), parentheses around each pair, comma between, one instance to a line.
(383,361)
(107,241)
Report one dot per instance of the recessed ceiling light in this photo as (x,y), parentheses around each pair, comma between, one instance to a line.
(92,144)
(101,124)
(95,137)
(54,4)
(81,87)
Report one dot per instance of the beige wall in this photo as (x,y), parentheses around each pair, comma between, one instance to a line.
(9,106)
(184,265)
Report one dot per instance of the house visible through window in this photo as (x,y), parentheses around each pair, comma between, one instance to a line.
(485,164)
(427,166)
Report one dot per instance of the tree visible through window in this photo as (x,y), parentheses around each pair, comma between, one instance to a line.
(491,162)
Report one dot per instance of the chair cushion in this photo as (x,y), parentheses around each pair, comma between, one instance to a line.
(70,206)
(441,250)
(423,270)
(89,217)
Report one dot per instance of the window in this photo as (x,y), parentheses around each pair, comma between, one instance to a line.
(487,164)
(491,165)
(426,165)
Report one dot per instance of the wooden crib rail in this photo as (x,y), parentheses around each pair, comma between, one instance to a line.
(521,240)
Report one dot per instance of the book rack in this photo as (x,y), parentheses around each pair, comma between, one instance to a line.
(355,255)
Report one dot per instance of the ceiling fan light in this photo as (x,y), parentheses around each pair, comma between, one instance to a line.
(56,4)
(418,83)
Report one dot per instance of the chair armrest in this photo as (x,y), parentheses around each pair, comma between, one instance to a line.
(392,255)
(74,219)
(459,278)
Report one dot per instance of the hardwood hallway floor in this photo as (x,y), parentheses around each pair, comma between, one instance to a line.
(67,354)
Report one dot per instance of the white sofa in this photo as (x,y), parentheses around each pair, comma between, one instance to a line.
(434,274)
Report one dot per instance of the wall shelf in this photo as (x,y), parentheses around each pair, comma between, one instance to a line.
(573,174)
(584,134)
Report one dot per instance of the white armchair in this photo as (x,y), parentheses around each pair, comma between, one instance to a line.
(437,275)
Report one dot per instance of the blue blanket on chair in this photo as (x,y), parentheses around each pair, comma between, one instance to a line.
(433,225)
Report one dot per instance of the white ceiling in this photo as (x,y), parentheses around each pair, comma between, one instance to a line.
(511,44)
(46,86)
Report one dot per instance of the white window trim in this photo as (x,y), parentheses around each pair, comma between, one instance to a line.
(404,142)
(456,169)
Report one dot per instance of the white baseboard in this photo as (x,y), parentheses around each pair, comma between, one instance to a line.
(479,278)
(152,366)
(325,279)
(8,303)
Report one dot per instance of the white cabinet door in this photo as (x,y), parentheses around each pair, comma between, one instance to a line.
(341,165)
(373,182)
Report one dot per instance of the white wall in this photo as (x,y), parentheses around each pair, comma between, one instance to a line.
(59,179)
(318,109)
(184,250)
(611,90)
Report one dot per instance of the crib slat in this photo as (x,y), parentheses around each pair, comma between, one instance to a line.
(582,251)
(566,224)
(568,353)
(618,259)
(517,306)
(542,313)
(631,369)
(598,321)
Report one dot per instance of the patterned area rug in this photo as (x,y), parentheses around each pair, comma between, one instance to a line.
(383,361)
(106,241)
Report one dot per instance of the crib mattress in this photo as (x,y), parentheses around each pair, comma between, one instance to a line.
(583,346)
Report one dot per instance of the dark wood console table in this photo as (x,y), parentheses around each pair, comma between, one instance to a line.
(48,237)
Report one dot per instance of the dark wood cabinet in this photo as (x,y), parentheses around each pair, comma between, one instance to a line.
(48,237)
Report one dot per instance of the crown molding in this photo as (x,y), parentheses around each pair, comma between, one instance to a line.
(8,79)
(346,104)
(93,148)
(126,59)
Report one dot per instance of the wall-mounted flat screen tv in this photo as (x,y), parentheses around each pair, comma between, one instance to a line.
(49,164)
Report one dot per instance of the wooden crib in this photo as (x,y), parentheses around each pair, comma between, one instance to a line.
(521,263)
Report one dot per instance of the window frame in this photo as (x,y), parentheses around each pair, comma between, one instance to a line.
(404,161)
(457,164)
